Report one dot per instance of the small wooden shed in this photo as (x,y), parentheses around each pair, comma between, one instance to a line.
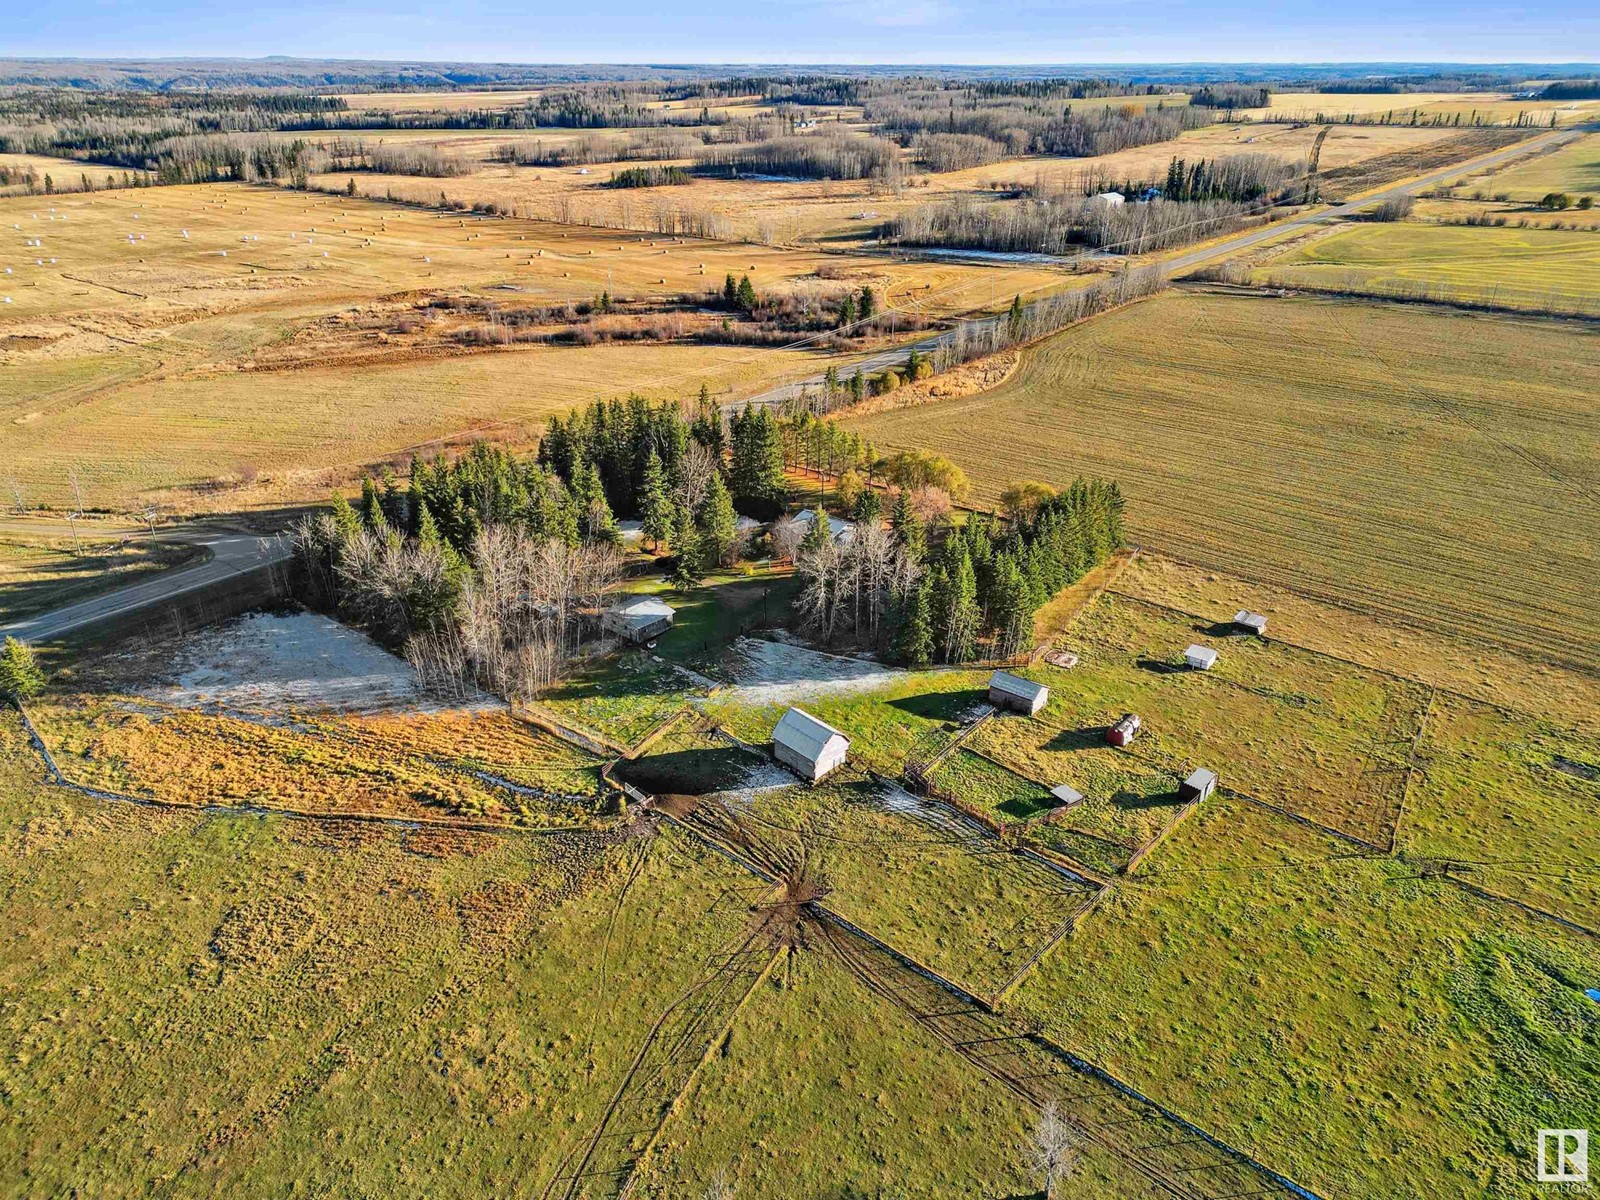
(1250,622)
(807,746)
(1200,658)
(1125,730)
(1016,693)
(1199,785)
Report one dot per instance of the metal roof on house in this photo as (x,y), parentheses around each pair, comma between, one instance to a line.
(1016,685)
(804,734)
(641,610)
(836,528)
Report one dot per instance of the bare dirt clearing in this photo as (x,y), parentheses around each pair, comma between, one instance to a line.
(298,662)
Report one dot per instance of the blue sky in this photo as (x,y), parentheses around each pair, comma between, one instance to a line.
(842,31)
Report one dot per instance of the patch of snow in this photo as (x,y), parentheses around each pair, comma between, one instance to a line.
(300,661)
(759,779)
(770,673)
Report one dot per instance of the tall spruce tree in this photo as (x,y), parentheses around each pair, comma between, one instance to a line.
(914,638)
(718,524)
(655,507)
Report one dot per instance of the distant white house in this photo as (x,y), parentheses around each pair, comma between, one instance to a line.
(807,746)
(1111,199)
(632,532)
(1200,658)
(748,526)
(638,619)
(1250,622)
(840,531)
(1016,693)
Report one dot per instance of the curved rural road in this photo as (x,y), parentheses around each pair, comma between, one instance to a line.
(1202,254)
(230,555)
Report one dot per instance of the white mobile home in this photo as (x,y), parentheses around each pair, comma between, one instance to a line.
(638,619)
(1016,693)
(1200,658)
(807,746)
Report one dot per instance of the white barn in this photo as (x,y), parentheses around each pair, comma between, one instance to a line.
(807,746)
(638,619)
(1016,693)
(1200,658)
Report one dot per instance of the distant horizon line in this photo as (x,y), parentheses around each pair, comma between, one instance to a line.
(1583,64)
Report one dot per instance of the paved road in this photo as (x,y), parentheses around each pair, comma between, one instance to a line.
(230,555)
(1193,258)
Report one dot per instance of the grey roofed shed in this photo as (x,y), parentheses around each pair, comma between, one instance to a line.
(1199,785)
(639,619)
(1067,795)
(1254,622)
(1201,658)
(807,746)
(1014,692)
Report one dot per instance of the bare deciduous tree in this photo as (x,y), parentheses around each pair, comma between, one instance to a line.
(695,469)
(1054,1148)
(786,535)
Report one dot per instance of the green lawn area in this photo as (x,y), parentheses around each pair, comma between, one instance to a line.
(1520,267)
(726,604)
(809,1096)
(1357,1027)
(1514,800)
(986,784)
(885,724)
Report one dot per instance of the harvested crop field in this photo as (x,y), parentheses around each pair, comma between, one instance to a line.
(1574,169)
(1555,269)
(1435,468)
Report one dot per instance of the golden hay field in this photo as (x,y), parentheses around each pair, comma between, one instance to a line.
(66,174)
(171,362)
(1436,468)
(1490,106)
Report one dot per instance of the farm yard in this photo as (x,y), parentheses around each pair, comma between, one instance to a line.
(1260,436)
(435,861)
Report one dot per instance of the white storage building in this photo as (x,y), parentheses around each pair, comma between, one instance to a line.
(807,746)
(1198,786)
(1250,622)
(1016,693)
(838,530)
(1200,658)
